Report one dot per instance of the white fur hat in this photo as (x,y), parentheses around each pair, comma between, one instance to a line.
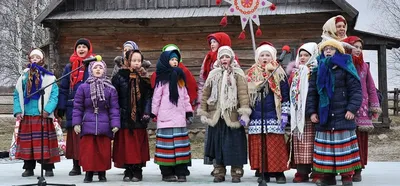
(37,52)
(264,48)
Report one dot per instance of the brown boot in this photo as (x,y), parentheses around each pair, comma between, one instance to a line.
(357,176)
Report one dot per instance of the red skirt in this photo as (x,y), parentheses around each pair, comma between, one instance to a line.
(362,138)
(95,153)
(276,156)
(29,141)
(131,147)
(73,139)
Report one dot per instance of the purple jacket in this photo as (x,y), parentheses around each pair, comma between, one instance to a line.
(108,115)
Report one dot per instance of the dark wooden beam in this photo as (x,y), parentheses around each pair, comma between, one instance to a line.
(382,79)
(53,5)
(344,5)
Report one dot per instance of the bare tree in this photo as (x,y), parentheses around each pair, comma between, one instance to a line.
(18,35)
(391,10)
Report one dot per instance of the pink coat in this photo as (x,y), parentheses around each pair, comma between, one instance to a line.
(370,102)
(168,114)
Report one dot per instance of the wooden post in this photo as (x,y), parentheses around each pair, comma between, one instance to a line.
(382,79)
(396,102)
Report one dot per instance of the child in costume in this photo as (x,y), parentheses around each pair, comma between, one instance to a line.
(171,106)
(29,111)
(225,109)
(131,143)
(96,118)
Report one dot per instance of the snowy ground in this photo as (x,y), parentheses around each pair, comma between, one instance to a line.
(376,174)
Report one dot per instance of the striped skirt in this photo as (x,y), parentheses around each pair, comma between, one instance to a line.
(172,147)
(336,152)
(29,144)
(303,146)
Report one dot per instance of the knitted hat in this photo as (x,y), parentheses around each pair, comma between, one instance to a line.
(131,44)
(170,47)
(173,55)
(334,43)
(226,50)
(265,43)
(38,52)
(264,48)
(83,41)
(94,64)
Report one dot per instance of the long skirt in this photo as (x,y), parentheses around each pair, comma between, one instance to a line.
(29,141)
(207,160)
(72,151)
(172,146)
(95,153)
(336,151)
(276,157)
(362,138)
(303,145)
(228,146)
(131,147)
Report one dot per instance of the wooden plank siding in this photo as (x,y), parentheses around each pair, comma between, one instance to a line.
(107,36)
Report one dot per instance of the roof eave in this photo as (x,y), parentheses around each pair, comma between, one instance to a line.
(43,15)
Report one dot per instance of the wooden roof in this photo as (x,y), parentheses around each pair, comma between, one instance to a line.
(156,9)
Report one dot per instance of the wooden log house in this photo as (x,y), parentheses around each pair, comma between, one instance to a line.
(155,23)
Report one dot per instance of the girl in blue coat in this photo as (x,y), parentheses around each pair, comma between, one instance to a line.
(334,96)
(68,86)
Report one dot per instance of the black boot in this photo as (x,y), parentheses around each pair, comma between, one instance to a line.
(102,176)
(266,177)
(137,173)
(27,173)
(128,174)
(88,177)
(49,173)
(76,169)
(280,178)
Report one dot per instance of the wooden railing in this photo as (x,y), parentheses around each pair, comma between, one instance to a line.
(393,101)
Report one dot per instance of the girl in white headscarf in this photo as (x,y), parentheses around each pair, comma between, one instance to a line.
(302,129)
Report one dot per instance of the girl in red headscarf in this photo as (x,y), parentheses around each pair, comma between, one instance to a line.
(68,87)
(370,107)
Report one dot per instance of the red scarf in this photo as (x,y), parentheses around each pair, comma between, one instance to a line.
(76,62)
(358,61)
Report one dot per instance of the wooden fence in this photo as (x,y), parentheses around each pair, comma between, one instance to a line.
(393,99)
(6,103)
